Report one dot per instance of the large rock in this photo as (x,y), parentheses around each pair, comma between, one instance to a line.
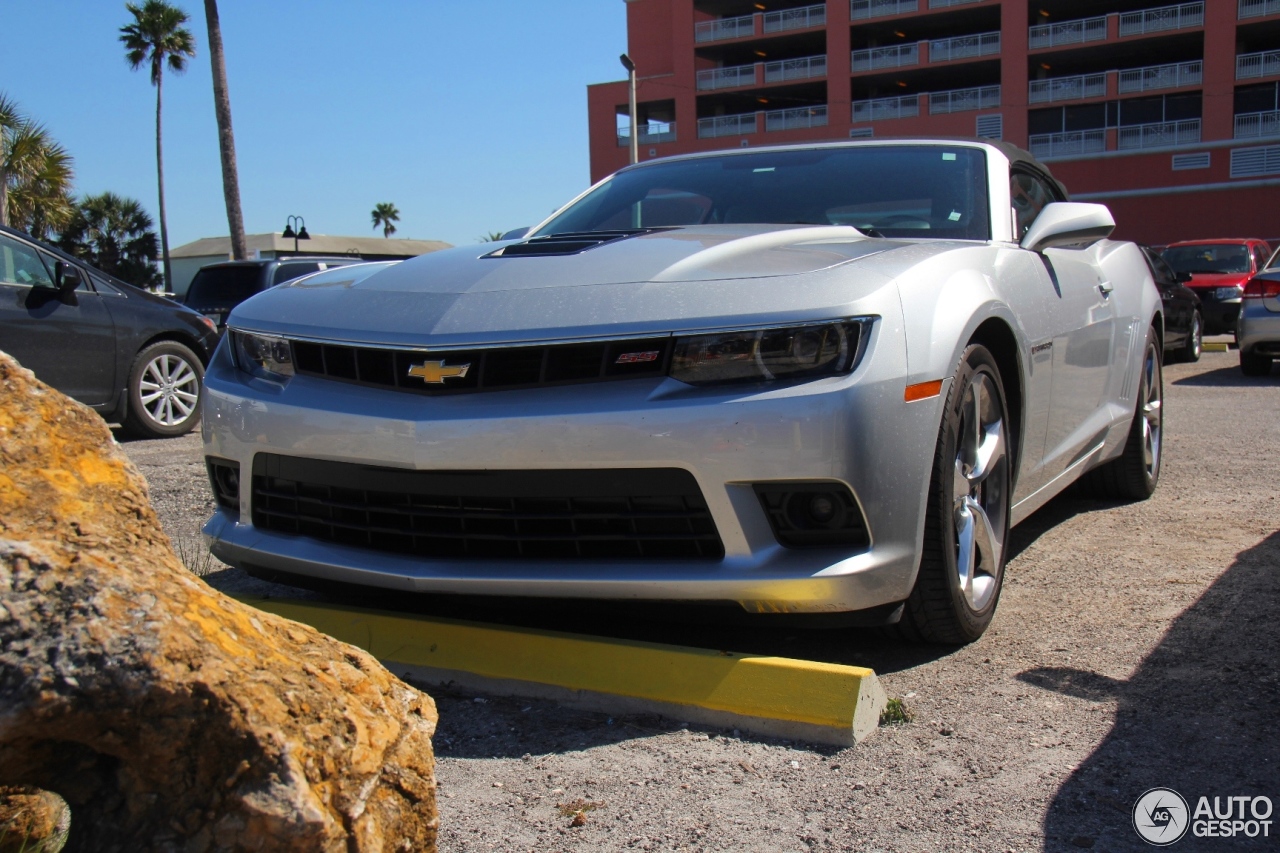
(169,716)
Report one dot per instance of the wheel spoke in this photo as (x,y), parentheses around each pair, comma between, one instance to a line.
(966,553)
(183,374)
(183,407)
(990,452)
(147,399)
(983,546)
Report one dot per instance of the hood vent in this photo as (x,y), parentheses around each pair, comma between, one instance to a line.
(568,243)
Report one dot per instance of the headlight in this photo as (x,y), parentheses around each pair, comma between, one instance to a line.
(1228,292)
(263,356)
(762,355)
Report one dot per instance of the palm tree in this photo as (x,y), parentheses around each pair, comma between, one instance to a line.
(226,139)
(156,38)
(115,235)
(385,214)
(35,174)
(491,237)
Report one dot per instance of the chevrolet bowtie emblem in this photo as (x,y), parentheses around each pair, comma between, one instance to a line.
(435,372)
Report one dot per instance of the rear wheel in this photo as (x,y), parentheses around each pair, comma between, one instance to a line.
(1133,476)
(164,391)
(1252,364)
(967,523)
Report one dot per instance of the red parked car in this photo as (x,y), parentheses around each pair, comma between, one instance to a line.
(1219,270)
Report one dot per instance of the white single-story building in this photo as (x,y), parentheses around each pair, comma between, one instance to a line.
(185,260)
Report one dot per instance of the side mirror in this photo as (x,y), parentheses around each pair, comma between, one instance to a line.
(515,233)
(66,277)
(1068,223)
(1182,277)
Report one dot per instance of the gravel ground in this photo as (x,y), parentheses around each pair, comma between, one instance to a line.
(1135,647)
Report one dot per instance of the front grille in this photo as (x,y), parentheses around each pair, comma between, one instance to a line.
(634,513)
(498,368)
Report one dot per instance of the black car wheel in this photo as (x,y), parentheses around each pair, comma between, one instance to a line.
(967,523)
(1252,364)
(164,391)
(1133,476)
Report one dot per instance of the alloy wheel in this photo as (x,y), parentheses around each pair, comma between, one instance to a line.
(169,389)
(1152,402)
(980,487)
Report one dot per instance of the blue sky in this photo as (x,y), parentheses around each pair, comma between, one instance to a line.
(469,117)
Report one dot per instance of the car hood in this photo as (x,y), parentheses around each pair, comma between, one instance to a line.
(667,280)
(1206,280)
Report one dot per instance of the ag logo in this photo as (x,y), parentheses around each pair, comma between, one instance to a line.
(1161,816)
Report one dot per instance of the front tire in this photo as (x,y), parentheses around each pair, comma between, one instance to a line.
(966,529)
(164,391)
(1133,476)
(1190,352)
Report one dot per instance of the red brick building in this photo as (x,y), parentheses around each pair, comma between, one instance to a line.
(1170,114)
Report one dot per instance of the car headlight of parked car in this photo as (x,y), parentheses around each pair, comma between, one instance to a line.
(801,352)
(1232,292)
(263,356)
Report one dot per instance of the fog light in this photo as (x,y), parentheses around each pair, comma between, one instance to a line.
(822,508)
(813,514)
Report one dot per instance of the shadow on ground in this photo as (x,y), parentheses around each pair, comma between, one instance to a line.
(1198,716)
(1226,377)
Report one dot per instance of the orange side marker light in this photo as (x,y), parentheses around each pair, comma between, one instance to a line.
(922,391)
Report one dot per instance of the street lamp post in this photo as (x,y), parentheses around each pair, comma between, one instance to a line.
(299,234)
(635,131)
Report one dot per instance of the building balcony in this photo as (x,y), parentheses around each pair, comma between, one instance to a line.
(725,28)
(1257,8)
(1068,32)
(649,134)
(1155,77)
(960,100)
(862,9)
(964,47)
(943,4)
(1069,143)
(1159,135)
(793,119)
(1265,64)
(781,71)
(1067,88)
(879,109)
(795,19)
(727,78)
(1180,17)
(733,125)
(898,56)
(1258,125)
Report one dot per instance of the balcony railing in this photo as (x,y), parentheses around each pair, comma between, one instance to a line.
(959,100)
(885,57)
(726,78)
(733,125)
(1265,64)
(878,109)
(1185,132)
(1161,77)
(1068,32)
(795,118)
(795,19)
(1164,18)
(1068,143)
(649,134)
(795,69)
(942,4)
(1257,8)
(1067,88)
(725,28)
(1253,125)
(963,47)
(860,9)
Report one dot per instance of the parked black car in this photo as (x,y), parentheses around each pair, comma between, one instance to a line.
(1183,314)
(135,357)
(217,288)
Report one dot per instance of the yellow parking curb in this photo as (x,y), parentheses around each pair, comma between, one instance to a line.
(782,697)
(1205,347)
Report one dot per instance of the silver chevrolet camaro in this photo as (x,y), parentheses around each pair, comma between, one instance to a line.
(808,379)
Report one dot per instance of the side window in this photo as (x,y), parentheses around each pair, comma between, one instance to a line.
(20,264)
(1028,194)
(284,272)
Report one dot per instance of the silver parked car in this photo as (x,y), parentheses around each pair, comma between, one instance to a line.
(810,379)
(1258,326)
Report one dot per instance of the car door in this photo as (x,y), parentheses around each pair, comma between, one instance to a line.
(1179,305)
(67,340)
(1079,348)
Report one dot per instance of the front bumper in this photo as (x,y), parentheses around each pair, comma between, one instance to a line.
(854,430)
(1219,315)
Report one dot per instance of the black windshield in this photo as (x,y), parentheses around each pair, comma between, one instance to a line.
(1208,258)
(222,287)
(934,191)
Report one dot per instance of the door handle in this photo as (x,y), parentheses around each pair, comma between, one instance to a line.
(1105,288)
